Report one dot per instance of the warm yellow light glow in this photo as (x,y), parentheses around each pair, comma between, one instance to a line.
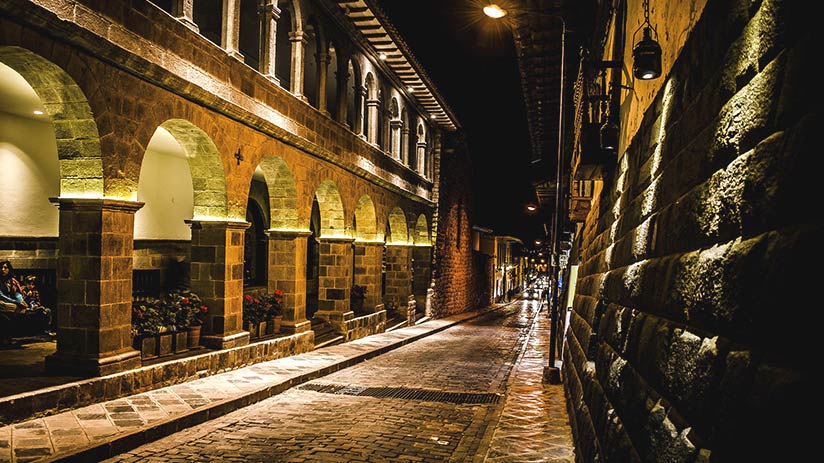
(531,208)
(37,112)
(494,11)
(382,56)
(410,89)
(537,242)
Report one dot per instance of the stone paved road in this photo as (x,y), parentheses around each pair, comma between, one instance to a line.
(389,409)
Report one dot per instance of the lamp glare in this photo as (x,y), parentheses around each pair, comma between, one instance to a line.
(494,11)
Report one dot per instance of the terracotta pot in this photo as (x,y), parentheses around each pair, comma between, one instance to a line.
(180,344)
(164,343)
(148,346)
(252,328)
(274,324)
(193,337)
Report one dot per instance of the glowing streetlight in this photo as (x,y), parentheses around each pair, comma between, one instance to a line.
(531,207)
(494,11)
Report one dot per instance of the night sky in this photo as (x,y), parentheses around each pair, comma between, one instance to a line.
(471,61)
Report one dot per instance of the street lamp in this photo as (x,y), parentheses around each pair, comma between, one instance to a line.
(494,11)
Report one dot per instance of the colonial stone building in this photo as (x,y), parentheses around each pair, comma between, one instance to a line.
(222,146)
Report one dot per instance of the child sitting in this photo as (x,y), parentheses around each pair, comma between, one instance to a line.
(35,308)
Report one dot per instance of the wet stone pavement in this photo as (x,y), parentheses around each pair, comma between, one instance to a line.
(471,393)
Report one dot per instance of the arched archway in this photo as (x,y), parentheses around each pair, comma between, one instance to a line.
(421,265)
(63,102)
(206,167)
(421,235)
(354,97)
(370,115)
(282,190)
(330,207)
(397,228)
(366,228)
(394,129)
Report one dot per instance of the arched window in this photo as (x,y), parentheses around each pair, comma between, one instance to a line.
(283,46)
(311,68)
(254,245)
(353,96)
(249,40)
(420,150)
(370,120)
(394,129)
(332,82)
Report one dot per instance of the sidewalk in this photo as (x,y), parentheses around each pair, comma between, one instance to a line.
(105,429)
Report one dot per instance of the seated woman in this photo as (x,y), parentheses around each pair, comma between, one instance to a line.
(41,314)
(18,317)
(11,294)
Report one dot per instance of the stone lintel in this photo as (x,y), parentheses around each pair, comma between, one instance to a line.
(81,204)
(400,245)
(226,341)
(67,363)
(200,224)
(336,239)
(274,233)
(369,243)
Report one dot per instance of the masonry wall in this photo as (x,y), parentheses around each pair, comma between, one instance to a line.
(461,280)
(689,340)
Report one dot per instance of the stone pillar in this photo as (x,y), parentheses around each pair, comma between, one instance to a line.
(335,278)
(298,46)
(419,158)
(94,285)
(395,130)
(368,256)
(398,277)
(287,272)
(268,39)
(323,73)
(372,118)
(361,112)
(231,28)
(421,274)
(217,277)
(405,145)
(182,11)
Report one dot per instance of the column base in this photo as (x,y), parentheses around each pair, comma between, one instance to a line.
(552,375)
(76,365)
(225,341)
(290,327)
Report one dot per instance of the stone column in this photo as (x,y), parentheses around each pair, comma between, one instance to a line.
(405,145)
(361,95)
(421,273)
(335,278)
(94,286)
(182,11)
(372,117)
(394,129)
(323,73)
(398,277)
(230,33)
(298,46)
(287,272)
(217,277)
(268,46)
(368,256)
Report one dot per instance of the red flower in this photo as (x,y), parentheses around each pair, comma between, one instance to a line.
(204,309)
(185,300)
(247,298)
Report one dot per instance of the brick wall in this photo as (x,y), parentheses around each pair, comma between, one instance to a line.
(461,279)
(686,340)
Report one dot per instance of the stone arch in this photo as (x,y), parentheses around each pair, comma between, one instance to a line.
(330,204)
(208,176)
(398,231)
(354,99)
(77,137)
(283,196)
(421,235)
(366,227)
(371,86)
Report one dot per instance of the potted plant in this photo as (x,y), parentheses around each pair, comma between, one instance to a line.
(356,297)
(273,307)
(146,325)
(190,312)
(253,314)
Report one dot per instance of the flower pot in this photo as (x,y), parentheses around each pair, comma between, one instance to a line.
(274,324)
(262,327)
(180,344)
(252,328)
(164,343)
(148,346)
(193,337)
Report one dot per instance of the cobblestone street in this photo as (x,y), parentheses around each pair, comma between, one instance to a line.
(402,406)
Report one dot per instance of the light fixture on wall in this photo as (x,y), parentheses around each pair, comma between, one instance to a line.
(382,56)
(608,135)
(646,54)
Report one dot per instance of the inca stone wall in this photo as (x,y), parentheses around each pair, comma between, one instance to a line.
(687,340)
(461,283)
